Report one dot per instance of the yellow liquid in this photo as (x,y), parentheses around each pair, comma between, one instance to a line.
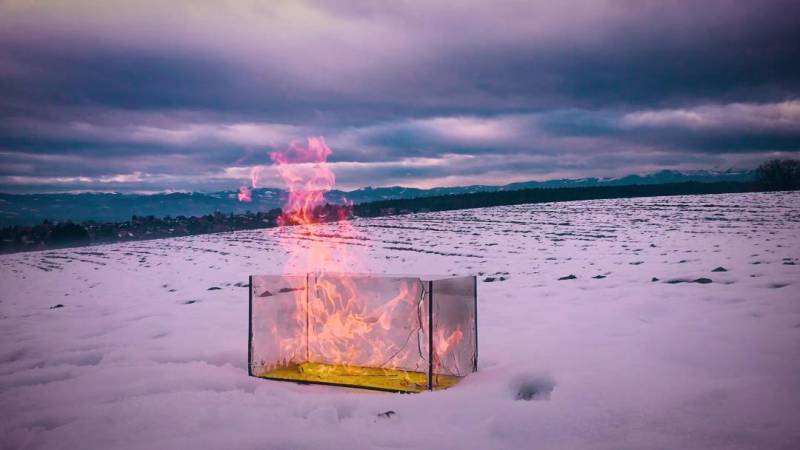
(360,377)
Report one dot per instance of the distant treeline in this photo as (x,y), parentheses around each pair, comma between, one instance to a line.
(538,195)
(771,176)
(775,175)
(48,235)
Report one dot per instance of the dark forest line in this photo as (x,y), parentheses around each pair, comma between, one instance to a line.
(51,235)
(545,195)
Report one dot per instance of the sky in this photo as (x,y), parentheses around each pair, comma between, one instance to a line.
(151,96)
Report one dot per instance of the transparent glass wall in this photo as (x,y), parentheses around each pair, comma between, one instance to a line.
(277,321)
(363,330)
(455,332)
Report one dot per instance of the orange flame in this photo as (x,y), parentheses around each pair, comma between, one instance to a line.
(442,343)
(343,325)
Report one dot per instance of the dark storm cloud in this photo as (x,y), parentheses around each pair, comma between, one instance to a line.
(630,54)
(528,89)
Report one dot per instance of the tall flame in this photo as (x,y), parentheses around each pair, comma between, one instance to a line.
(344,325)
(307,178)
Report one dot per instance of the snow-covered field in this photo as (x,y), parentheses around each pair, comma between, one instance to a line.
(149,350)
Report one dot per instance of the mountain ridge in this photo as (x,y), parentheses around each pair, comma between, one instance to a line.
(28,209)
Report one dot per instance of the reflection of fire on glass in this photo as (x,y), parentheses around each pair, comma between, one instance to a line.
(363,330)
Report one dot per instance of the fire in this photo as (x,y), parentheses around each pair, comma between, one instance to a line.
(245,194)
(344,328)
(344,324)
(307,178)
(445,340)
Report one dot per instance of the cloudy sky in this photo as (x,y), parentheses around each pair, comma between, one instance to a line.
(188,95)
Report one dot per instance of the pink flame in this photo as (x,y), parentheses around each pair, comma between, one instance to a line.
(245,194)
(307,178)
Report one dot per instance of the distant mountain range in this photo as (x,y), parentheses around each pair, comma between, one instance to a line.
(29,209)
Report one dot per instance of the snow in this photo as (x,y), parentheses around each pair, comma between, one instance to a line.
(619,362)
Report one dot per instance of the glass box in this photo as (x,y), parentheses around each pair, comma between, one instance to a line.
(366,331)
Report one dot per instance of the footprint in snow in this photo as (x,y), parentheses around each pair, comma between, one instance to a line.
(696,280)
(533,387)
(493,279)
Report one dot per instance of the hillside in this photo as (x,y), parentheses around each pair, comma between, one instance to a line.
(31,209)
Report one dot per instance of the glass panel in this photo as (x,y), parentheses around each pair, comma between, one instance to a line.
(278,322)
(454,330)
(346,329)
